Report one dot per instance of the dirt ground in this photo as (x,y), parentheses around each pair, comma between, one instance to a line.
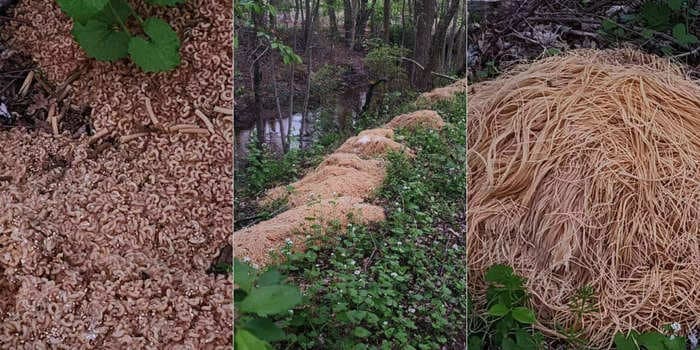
(111,215)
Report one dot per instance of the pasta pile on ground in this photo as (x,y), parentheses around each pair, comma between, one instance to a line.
(585,169)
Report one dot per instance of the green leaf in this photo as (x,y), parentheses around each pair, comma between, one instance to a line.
(498,310)
(264,329)
(651,340)
(675,343)
(608,25)
(675,5)
(680,33)
(270,300)
(655,15)
(647,33)
(623,342)
(117,11)
(475,343)
(361,332)
(524,315)
(101,41)
(499,274)
(270,277)
(243,275)
(82,10)
(509,344)
(159,54)
(525,340)
(245,340)
(165,2)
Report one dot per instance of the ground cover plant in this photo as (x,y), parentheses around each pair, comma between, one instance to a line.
(101,27)
(397,284)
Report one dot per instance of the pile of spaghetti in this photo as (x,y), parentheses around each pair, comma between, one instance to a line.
(584,169)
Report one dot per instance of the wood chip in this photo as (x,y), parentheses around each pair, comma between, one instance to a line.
(205,119)
(223,110)
(26,84)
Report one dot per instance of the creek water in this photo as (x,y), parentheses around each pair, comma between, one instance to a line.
(243,137)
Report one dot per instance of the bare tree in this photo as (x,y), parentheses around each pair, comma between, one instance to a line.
(387,20)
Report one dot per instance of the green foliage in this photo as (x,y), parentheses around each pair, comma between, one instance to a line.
(508,321)
(384,61)
(326,83)
(394,285)
(257,297)
(656,20)
(100,28)
(648,341)
(265,170)
(160,52)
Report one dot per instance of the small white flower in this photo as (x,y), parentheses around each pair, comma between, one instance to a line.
(246,258)
(394,274)
(357,272)
(399,243)
(288,241)
(411,310)
(676,327)
(455,247)
(693,339)
(385,323)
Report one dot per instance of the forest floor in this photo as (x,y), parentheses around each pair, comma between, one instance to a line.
(506,33)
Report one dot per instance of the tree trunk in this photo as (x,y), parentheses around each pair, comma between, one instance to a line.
(387,20)
(257,78)
(307,22)
(305,112)
(403,23)
(435,52)
(347,20)
(331,18)
(283,136)
(362,18)
(424,17)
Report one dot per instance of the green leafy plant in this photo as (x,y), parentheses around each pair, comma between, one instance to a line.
(257,298)
(393,285)
(508,320)
(652,340)
(101,28)
(670,20)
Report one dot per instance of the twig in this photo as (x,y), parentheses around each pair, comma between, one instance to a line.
(689,53)
(25,85)
(423,68)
